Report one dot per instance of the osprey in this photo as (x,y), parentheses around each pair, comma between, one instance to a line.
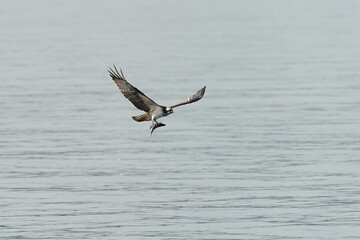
(153,111)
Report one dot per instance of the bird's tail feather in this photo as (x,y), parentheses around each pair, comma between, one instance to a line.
(143,117)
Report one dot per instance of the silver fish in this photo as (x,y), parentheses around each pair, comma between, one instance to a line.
(155,126)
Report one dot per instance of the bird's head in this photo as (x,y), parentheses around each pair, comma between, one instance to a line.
(169,110)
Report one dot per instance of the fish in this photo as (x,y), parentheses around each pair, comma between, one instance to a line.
(155,126)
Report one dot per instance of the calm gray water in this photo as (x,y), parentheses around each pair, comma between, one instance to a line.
(271,152)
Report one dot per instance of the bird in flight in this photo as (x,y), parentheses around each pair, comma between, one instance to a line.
(153,111)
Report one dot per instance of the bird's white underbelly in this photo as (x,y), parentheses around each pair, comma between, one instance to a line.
(157,113)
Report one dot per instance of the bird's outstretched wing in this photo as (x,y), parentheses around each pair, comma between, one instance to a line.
(196,97)
(135,96)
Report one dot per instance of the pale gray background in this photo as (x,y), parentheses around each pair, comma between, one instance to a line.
(270,152)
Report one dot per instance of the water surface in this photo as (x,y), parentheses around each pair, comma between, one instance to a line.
(270,152)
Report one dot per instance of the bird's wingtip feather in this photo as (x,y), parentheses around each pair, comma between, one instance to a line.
(114,73)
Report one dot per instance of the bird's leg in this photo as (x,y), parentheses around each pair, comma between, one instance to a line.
(154,122)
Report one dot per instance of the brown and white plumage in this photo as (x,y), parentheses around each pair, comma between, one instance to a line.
(146,104)
(135,96)
(196,97)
